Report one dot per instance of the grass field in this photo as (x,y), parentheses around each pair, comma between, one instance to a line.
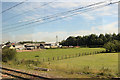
(49,53)
(100,65)
(107,60)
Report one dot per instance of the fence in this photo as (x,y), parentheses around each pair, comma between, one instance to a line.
(70,56)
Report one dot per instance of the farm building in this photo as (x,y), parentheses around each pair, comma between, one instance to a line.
(31,46)
(40,46)
(19,47)
(45,46)
(49,45)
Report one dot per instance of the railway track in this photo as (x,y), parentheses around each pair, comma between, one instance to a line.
(19,75)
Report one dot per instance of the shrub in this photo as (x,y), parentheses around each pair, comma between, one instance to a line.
(112,46)
(8,54)
(27,62)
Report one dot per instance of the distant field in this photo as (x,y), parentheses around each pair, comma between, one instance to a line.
(49,53)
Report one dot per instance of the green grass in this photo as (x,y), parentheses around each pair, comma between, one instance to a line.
(105,65)
(108,60)
(101,64)
(50,53)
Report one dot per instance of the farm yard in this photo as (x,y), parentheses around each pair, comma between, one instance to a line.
(94,65)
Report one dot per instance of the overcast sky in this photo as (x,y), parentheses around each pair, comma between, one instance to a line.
(103,20)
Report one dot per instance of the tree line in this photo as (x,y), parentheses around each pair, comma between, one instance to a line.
(92,40)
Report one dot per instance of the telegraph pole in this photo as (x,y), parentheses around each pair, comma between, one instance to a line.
(56,40)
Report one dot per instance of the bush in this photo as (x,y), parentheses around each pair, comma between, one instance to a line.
(112,46)
(8,54)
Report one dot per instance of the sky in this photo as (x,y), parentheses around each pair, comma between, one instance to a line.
(102,20)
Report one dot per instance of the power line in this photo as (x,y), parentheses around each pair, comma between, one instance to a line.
(18,15)
(72,14)
(58,14)
(29,23)
(62,13)
(13,6)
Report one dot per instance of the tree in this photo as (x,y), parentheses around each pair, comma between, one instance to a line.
(114,36)
(108,37)
(117,45)
(99,41)
(118,36)
(63,42)
(79,40)
(109,47)
(71,41)
(8,54)
(92,39)
(84,41)
(112,46)
(104,39)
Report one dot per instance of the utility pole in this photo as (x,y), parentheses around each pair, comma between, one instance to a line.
(56,40)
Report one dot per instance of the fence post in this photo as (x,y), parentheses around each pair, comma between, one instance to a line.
(53,58)
(48,59)
(43,59)
(79,54)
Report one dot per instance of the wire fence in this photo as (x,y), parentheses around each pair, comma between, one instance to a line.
(70,56)
(57,58)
